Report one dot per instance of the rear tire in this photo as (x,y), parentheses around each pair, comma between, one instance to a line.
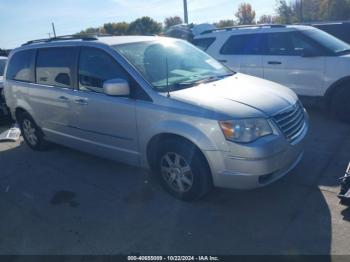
(183,170)
(31,133)
(340,104)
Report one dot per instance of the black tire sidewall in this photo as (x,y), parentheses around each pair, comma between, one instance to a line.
(340,104)
(199,167)
(38,145)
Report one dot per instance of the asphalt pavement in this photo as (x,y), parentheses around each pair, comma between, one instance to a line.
(66,202)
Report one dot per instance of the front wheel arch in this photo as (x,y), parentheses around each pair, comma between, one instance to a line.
(204,181)
(154,145)
(334,88)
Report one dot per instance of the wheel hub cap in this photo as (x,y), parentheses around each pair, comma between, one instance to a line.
(29,132)
(176,172)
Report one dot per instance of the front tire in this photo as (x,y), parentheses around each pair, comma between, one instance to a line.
(340,105)
(183,170)
(31,132)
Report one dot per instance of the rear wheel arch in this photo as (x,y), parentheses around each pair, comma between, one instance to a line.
(19,112)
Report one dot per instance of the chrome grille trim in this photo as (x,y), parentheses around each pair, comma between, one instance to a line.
(291,121)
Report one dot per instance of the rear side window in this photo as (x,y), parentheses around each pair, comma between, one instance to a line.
(20,66)
(96,67)
(203,43)
(290,44)
(54,66)
(248,44)
(279,44)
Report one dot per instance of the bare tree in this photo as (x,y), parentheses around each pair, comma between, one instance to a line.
(245,14)
(172,20)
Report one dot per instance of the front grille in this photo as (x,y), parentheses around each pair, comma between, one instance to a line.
(291,121)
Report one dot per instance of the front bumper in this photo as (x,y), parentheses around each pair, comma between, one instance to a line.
(253,172)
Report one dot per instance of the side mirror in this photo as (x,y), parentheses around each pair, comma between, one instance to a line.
(116,87)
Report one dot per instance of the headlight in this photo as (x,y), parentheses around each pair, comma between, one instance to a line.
(245,130)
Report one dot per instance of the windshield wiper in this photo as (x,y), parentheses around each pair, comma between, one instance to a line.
(187,84)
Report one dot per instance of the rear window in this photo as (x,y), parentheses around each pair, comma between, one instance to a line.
(203,43)
(54,66)
(248,44)
(20,66)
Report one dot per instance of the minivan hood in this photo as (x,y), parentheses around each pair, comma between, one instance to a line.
(239,96)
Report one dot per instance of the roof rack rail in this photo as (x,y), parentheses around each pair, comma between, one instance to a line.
(84,37)
(242,27)
(325,22)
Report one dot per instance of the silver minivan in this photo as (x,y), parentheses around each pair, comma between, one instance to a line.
(156,103)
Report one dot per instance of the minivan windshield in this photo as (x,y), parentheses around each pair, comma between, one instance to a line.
(170,64)
(331,43)
(2,66)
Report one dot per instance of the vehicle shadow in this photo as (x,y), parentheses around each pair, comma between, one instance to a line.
(96,206)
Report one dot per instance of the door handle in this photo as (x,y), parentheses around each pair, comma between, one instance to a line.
(81,101)
(274,63)
(63,98)
(223,61)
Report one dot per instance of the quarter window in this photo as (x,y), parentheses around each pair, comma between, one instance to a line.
(54,66)
(247,44)
(203,43)
(20,66)
(96,67)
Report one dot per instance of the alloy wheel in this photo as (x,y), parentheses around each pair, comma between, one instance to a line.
(176,172)
(29,132)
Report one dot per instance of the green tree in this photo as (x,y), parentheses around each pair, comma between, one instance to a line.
(313,10)
(338,10)
(144,26)
(245,14)
(91,31)
(267,19)
(172,20)
(224,23)
(116,28)
(286,14)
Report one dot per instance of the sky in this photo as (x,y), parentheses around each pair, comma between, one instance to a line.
(24,20)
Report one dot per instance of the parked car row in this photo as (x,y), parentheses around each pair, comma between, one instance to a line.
(307,60)
(157,103)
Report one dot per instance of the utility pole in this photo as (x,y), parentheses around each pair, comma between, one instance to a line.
(301,11)
(53,29)
(185,12)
